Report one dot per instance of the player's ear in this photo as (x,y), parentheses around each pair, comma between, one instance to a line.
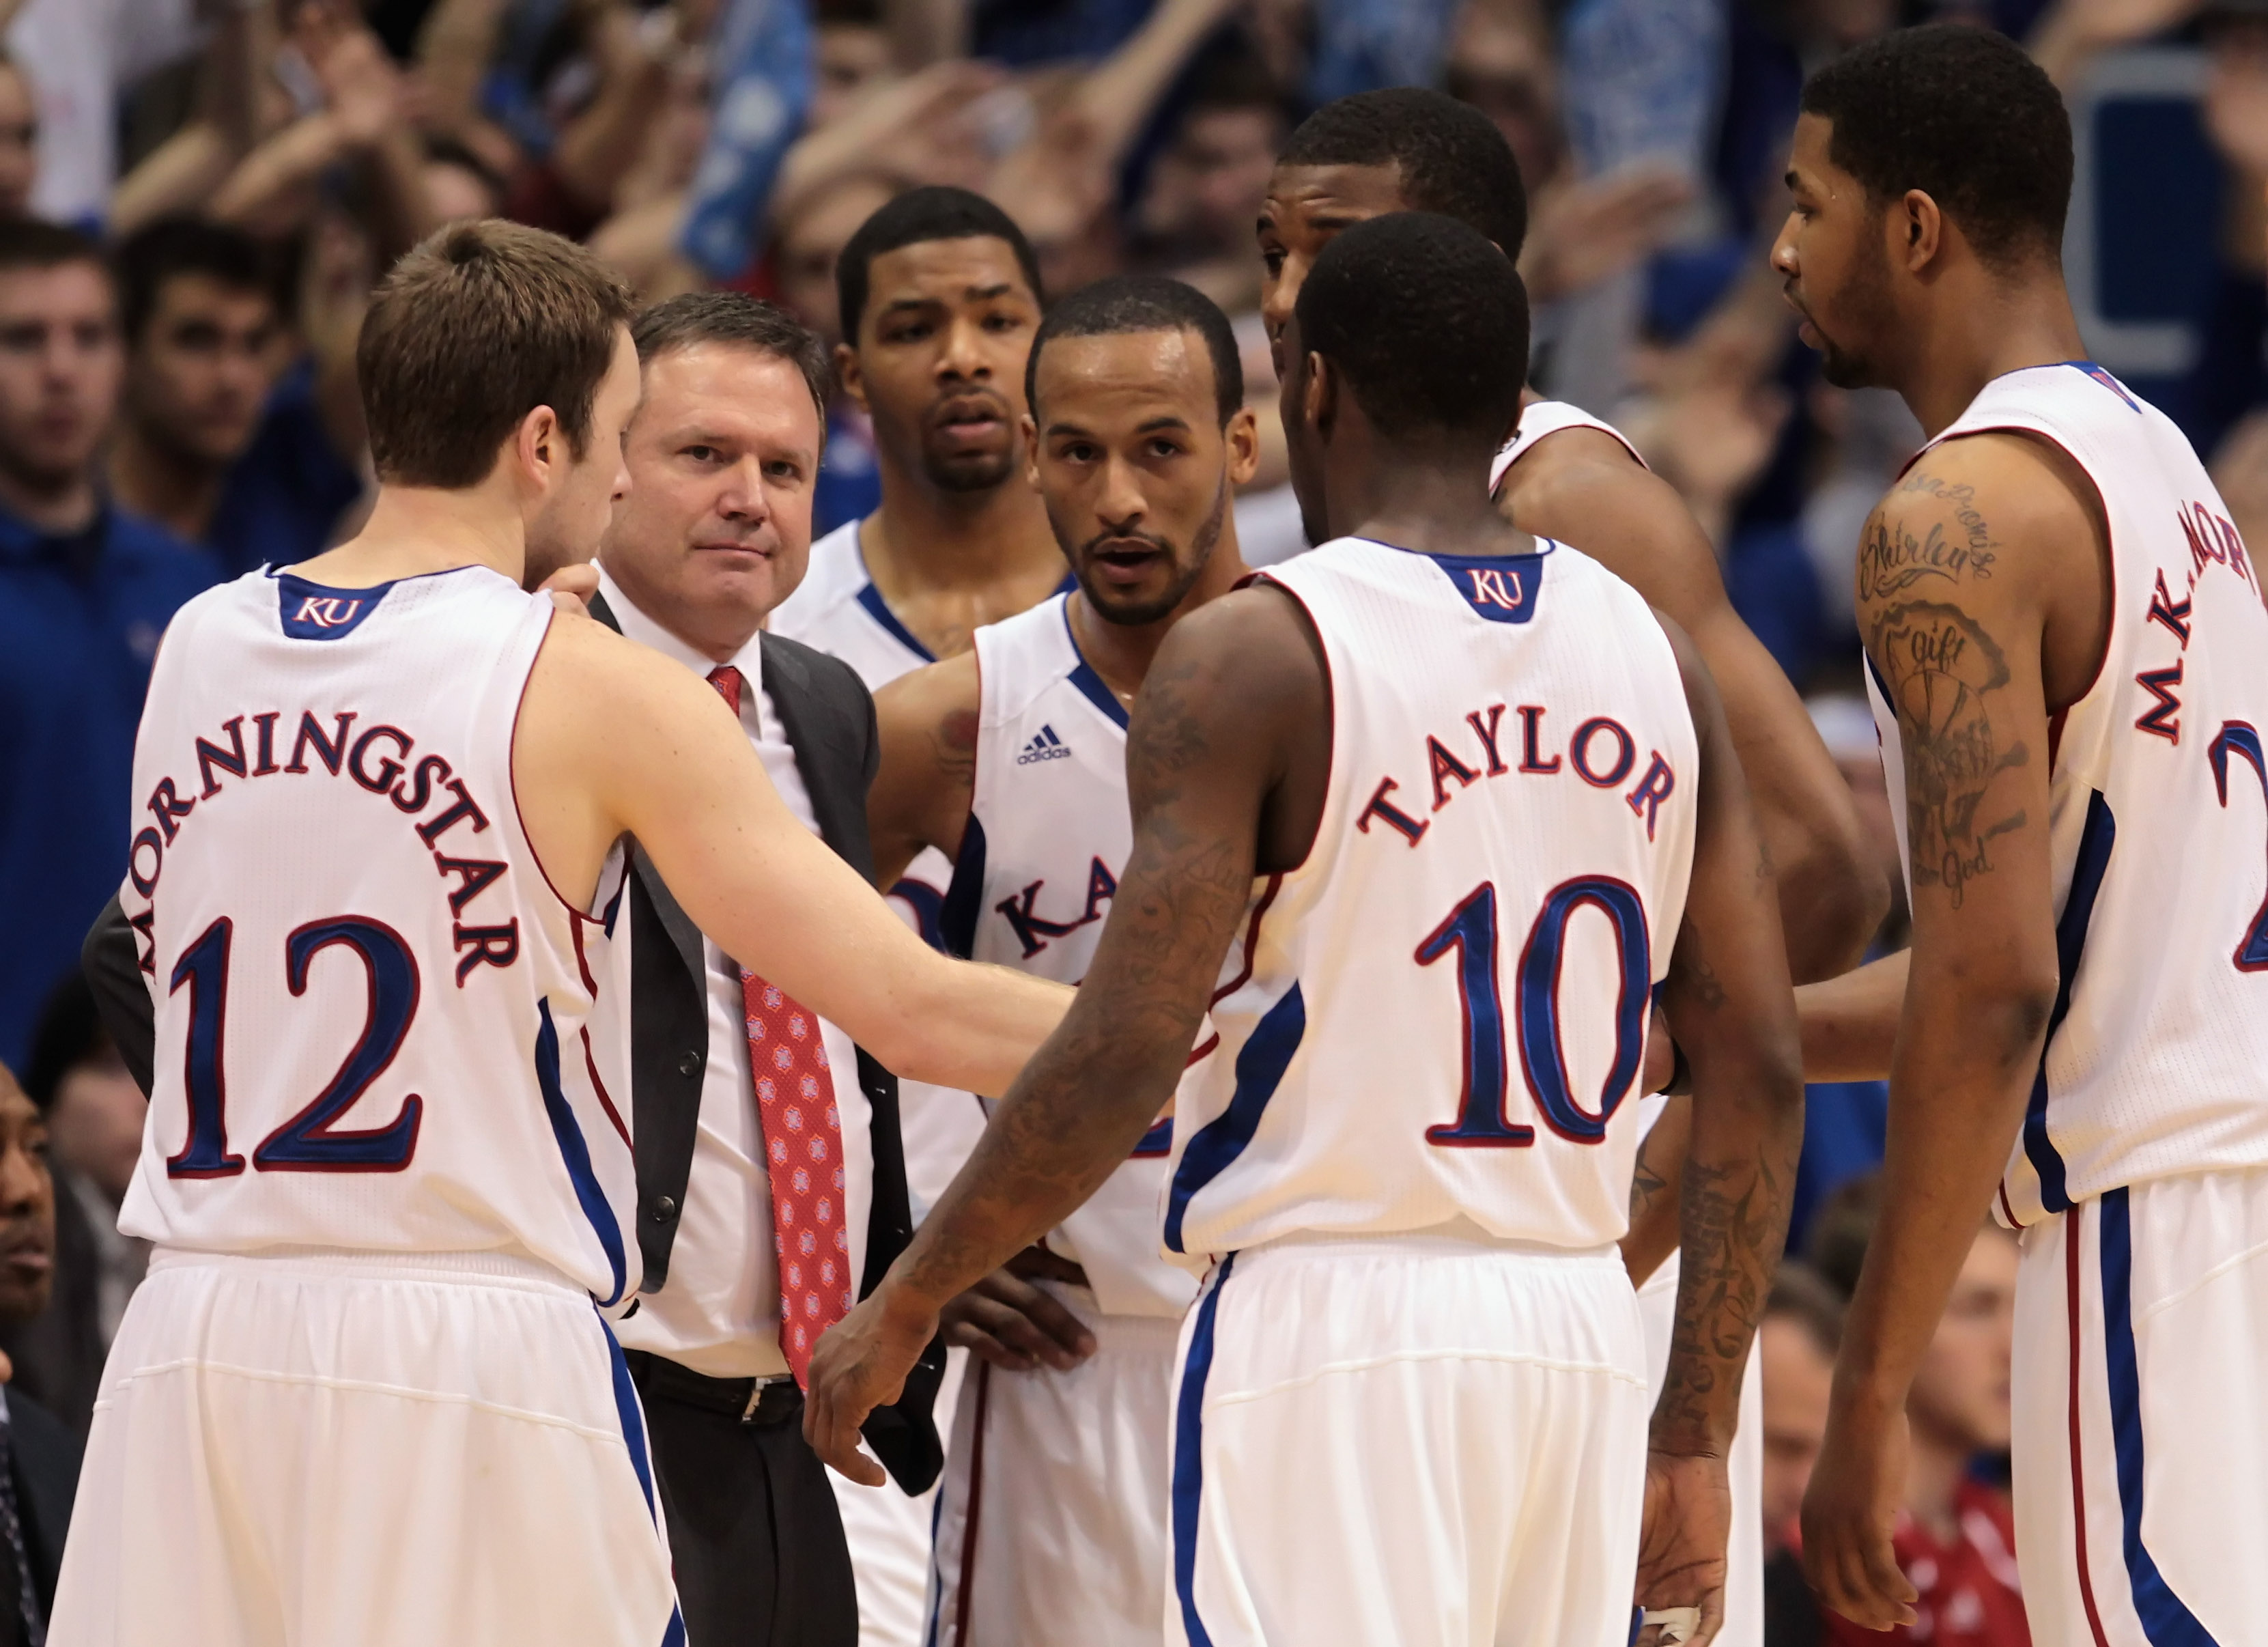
(539,444)
(1319,402)
(854,381)
(1920,229)
(1031,433)
(1243,437)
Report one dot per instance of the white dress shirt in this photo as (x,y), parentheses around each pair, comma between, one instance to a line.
(718,1311)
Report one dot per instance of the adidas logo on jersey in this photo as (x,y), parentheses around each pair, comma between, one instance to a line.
(1044,746)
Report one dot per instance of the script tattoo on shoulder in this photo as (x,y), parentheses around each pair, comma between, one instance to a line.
(1892,556)
(1943,669)
(952,741)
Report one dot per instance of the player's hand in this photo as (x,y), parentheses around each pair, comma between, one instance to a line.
(571,588)
(1009,1322)
(1681,1552)
(1848,1516)
(861,1363)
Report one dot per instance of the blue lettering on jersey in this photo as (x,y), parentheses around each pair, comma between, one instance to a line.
(1502,588)
(312,612)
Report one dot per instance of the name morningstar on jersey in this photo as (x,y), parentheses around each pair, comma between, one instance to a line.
(381,759)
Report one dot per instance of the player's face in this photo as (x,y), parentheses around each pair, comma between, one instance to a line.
(1960,1391)
(1129,456)
(1306,208)
(1798,1379)
(580,499)
(1834,263)
(196,380)
(939,359)
(27,1206)
(716,530)
(60,364)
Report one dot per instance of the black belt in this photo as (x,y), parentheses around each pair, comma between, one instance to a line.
(751,1400)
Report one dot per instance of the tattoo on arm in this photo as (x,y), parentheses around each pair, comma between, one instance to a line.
(1735,1217)
(952,743)
(1943,669)
(1891,557)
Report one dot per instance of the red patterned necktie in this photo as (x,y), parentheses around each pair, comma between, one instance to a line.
(803,1148)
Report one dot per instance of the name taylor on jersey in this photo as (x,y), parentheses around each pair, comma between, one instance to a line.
(382,760)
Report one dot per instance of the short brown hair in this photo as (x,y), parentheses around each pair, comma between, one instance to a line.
(33,243)
(475,328)
(734,317)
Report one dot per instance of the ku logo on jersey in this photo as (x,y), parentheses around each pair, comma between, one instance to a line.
(1501,588)
(312,612)
(1044,746)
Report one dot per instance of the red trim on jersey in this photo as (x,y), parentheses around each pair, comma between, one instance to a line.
(2015,1222)
(960,1602)
(511,772)
(600,1087)
(582,961)
(2078,1483)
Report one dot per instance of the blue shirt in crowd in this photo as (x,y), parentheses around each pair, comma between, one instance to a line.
(79,621)
(283,498)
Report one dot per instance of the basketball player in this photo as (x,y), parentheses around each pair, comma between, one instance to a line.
(1011,760)
(363,1396)
(1566,474)
(2069,661)
(939,296)
(1397,786)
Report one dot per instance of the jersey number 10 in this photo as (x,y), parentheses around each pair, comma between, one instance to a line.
(1471,930)
(307,1142)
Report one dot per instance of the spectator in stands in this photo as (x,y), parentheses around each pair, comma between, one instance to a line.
(85,590)
(94,1111)
(39,1458)
(221,439)
(1956,1538)
(1796,1342)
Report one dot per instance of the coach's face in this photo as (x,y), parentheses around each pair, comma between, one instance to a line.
(716,530)
(1833,258)
(938,357)
(1309,207)
(1130,456)
(27,1206)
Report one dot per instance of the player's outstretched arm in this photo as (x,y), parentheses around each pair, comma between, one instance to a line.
(1851,1023)
(613,740)
(1960,653)
(1232,692)
(1596,498)
(926,724)
(1729,1003)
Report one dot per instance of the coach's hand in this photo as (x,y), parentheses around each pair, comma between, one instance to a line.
(1681,1552)
(571,588)
(1850,1512)
(861,1363)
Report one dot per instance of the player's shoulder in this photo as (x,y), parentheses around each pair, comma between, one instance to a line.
(927,696)
(1987,485)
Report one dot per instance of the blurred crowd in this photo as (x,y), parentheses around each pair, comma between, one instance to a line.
(197,196)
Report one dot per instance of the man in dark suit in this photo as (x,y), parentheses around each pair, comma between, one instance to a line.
(714,532)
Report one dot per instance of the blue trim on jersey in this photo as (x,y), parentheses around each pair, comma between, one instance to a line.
(1502,588)
(1159,1140)
(2165,1620)
(1189,1457)
(1260,1069)
(2102,375)
(632,1417)
(315,611)
(574,1152)
(878,609)
(2095,837)
(1091,685)
(964,896)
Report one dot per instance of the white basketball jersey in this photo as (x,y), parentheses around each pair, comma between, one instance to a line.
(1049,831)
(378,1027)
(1436,1018)
(2157,1054)
(1548,417)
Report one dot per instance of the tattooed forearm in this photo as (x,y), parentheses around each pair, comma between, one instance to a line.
(1734,1218)
(1942,670)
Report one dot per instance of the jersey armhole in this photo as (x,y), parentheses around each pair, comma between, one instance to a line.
(1260,578)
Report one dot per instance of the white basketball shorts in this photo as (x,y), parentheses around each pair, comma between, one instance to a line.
(1051,1517)
(1413,1439)
(891,1535)
(1744,1553)
(364,1451)
(2142,1424)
